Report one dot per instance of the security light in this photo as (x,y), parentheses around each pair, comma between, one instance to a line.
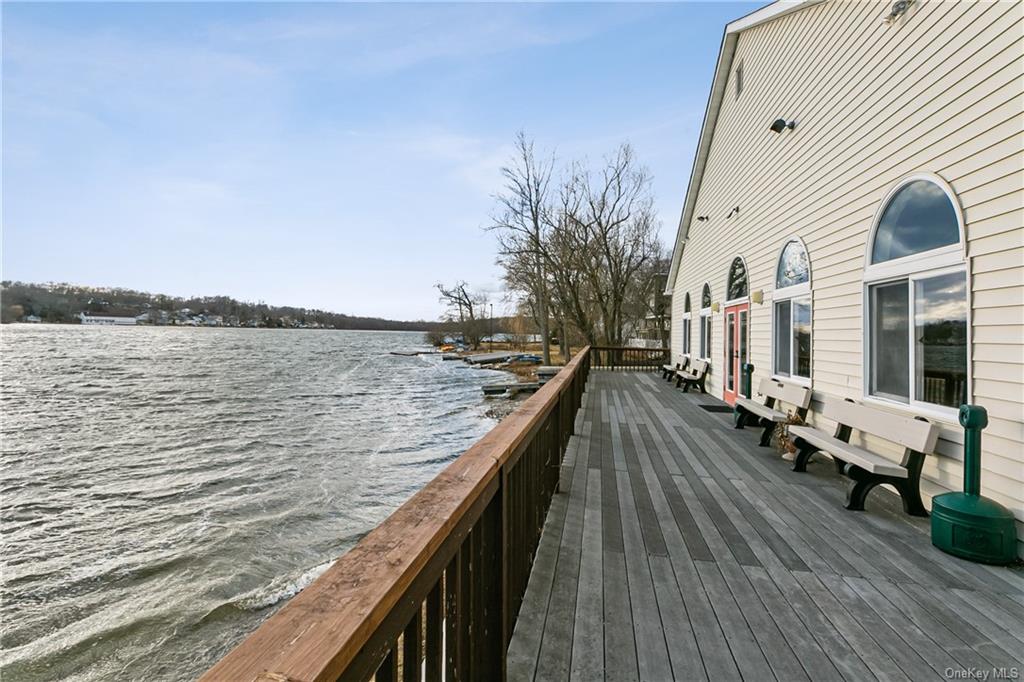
(702,218)
(780,124)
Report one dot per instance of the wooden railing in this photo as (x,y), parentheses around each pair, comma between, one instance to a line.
(628,357)
(434,591)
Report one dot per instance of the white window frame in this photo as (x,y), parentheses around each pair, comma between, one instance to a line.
(794,293)
(686,334)
(913,268)
(704,349)
(704,346)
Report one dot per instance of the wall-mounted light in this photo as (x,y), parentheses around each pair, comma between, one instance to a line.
(780,124)
(702,218)
(899,8)
(757,296)
(715,307)
(735,211)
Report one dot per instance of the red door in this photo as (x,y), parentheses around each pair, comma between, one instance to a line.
(736,323)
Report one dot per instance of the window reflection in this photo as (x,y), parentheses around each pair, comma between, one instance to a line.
(940,333)
(802,337)
(794,267)
(890,327)
(737,279)
(919,217)
(782,336)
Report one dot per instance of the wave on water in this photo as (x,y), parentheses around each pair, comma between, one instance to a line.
(167,489)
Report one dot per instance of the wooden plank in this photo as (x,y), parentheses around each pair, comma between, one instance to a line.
(641,505)
(725,541)
(889,639)
(795,633)
(697,644)
(684,653)
(923,645)
(588,632)
(620,662)
(949,614)
(555,656)
(773,643)
(949,640)
(878,660)
(841,653)
(651,649)
(742,644)
(524,648)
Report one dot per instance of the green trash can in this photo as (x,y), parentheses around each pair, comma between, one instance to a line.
(966,524)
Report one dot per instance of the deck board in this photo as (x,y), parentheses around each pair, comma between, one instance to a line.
(677,548)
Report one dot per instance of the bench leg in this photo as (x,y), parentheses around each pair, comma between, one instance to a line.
(739,417)
(679,381)
(803,455)
(766,435)
(910,494)
(863,483)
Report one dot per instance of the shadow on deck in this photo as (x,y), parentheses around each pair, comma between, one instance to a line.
(679,549)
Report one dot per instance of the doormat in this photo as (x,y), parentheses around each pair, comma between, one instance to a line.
(716,408)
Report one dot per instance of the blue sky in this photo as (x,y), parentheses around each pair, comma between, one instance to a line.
(339,156)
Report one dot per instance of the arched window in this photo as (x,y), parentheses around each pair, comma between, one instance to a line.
(918,217)
(791,313)
(686,324)
(916,281)
(738,287)
(705,322)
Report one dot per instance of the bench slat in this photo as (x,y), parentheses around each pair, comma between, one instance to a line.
(906,431)
(869,461)
(761,410)
(794,394)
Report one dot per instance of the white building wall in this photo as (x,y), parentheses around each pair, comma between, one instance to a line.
(939,91)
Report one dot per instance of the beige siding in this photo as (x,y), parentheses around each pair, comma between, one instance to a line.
(939,92)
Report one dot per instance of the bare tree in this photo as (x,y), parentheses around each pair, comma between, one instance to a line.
(611,230)
(465,308)
(520,221)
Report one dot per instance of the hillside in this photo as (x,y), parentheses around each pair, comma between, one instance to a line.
(62,303)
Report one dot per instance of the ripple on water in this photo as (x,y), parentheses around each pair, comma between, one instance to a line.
(164,490)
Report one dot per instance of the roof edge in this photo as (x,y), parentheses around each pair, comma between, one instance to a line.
(725,58)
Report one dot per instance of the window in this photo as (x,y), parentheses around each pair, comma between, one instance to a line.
(916,295)
(686,325)
(705,322)
(739,80)
(791,313)
(738,287)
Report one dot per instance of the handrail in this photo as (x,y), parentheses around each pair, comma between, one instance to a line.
(445,573)
(628,357)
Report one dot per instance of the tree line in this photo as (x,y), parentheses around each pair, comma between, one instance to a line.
(579,247)
(62,303)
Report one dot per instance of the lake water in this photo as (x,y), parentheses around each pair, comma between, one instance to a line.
(164,489)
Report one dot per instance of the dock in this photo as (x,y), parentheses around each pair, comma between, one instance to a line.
(677,548)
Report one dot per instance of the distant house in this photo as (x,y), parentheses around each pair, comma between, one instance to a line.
(32,318)
(853,219)
(106,320)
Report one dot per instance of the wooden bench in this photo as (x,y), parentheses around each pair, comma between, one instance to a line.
(868,469)
(695,375)
(668,372)
(766,414)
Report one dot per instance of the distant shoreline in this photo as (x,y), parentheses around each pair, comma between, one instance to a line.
(22,323)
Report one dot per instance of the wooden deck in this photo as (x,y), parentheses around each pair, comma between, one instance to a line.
(679,549)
